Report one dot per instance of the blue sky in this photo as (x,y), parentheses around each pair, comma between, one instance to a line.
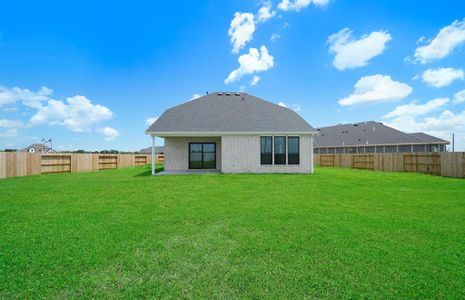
(88,74)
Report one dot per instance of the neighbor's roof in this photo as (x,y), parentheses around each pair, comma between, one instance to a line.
(148,150)
(37,147)
(428,138)
(369,133)
(229,112)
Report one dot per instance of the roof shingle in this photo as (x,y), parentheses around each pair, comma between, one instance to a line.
(368,133)
(229,112)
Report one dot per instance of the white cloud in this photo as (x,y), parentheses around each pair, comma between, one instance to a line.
(255,80)
(25,96)
(253,62)
(108,132)
(415,109)
(77,114)
(459,97)
(274,37)
(352,53)
(265,12)
(241,30)
(5,123)
(296,5)
(150,121)
(9,133)
(442,77)
(294,107)
(375,89)
(11,127)
(446,41)
(441,126)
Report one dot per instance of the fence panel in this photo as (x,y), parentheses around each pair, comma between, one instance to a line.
(363,161)
(55,163)
(327,160)
(429,163)
(443,164)
(25,164)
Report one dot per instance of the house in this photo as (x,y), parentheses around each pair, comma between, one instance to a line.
(374,137)
(148,150)
(234,133)
(37,148)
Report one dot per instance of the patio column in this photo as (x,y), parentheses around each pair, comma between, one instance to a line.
(154,154)
(311,154)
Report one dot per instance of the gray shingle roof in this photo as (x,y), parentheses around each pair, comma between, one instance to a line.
(37,147)
(148,150)
(428,138)
(229,112)
(366,133)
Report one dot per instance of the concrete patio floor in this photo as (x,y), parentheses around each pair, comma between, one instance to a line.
(188,172)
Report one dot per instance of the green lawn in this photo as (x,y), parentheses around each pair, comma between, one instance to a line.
(339,233)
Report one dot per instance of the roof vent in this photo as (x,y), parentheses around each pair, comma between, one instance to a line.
(220,94)
(228,94)
(237,94)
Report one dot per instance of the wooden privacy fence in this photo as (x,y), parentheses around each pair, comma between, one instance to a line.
(25,164)
(441,164)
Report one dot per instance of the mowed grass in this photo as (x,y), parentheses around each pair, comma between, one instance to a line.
(337,234)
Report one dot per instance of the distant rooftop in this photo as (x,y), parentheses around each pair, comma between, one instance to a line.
(369,133)
(148,150)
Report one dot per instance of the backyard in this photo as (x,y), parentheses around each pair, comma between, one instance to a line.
(339,233)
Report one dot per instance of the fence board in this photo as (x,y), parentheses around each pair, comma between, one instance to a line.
(3,163)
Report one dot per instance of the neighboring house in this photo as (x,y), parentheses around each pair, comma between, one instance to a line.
(37,148)
(374,137)
(234,133)
(148,150)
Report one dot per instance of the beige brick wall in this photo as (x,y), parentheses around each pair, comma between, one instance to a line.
(177,151)
(241,154)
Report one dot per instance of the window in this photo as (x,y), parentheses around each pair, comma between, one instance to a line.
(266,150)
(202,156)
(293,150)
(279,150)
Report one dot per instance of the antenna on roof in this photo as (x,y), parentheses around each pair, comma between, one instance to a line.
(207,92)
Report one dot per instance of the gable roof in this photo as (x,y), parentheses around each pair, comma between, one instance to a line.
(37,147)
(368,133)
(229,113)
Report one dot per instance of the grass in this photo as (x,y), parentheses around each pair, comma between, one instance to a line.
(337,234)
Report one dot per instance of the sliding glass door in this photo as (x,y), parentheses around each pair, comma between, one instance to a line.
(202,156)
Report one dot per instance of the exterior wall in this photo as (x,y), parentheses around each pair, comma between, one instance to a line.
(241,154)
(177,151)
